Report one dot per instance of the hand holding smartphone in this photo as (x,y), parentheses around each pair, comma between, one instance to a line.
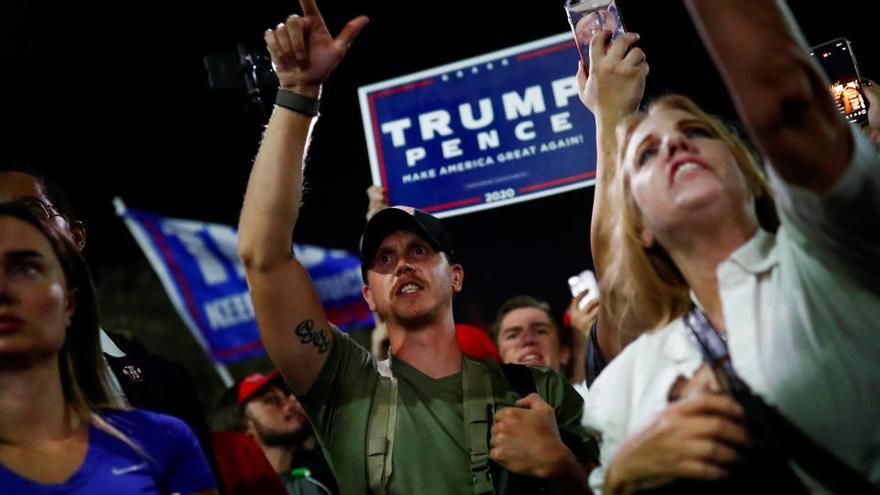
(837,59)
(581,282)
(588,17)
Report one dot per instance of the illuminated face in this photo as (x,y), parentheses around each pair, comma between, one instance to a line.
(409,282)
(682,174)
(529,336)
(275,417)
(35,303)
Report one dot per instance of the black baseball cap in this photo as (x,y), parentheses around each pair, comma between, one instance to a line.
(395,218)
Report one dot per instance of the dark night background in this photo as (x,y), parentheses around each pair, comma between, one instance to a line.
(111,99)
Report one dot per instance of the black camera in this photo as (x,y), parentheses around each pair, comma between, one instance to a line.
(242,69)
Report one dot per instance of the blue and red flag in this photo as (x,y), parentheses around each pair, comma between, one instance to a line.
(198,265)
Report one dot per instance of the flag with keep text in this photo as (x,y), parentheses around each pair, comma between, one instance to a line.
(198,265)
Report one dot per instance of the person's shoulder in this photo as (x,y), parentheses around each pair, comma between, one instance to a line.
(649,343)
(347,343)
(161,436)
(349,368)
(552,386)
(512,374)
(650,350)
(234,442)
(545,374)
(499,368)
(514,371)
(141,423)
(493,365)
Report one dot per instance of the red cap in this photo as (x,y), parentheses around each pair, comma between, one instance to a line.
(254,383)
(475,342)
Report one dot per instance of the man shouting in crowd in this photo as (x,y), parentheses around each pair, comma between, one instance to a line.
(429,420)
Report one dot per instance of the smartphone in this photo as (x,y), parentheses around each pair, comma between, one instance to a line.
(587,17)
(581,282)
(837,59)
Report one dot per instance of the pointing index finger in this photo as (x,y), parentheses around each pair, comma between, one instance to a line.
(310,8)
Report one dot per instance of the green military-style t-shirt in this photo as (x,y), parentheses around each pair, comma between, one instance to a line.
(431,451)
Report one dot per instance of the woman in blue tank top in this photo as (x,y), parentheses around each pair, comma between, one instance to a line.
(56,433)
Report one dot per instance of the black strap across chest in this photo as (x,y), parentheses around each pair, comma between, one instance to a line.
(767,426)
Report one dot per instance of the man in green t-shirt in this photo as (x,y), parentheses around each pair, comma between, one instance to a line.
(444,415)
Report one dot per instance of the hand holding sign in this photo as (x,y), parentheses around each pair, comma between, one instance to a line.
(303,51)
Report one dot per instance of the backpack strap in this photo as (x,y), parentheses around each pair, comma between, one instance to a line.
(384,368)
(380,430)
(479,402)
(772,427)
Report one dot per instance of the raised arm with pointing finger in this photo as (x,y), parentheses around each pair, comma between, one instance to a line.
(421,419)
(292,322)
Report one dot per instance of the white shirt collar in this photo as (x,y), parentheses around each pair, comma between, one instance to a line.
(757,255)
(109,347)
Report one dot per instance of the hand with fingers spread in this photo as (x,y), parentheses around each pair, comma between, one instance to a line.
(698,437)
(617,76)
(525,440)
(303,51)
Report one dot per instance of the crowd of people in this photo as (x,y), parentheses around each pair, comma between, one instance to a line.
(732,347)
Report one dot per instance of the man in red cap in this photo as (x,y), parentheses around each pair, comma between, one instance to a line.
(279,425)
(377,421)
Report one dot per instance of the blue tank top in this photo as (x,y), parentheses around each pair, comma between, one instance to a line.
(174,461)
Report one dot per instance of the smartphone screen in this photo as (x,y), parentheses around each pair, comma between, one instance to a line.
(587,18)
(839,63)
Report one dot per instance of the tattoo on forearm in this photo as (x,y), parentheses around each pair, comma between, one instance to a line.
(308,334)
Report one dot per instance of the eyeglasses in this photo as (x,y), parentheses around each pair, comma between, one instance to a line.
(41,208)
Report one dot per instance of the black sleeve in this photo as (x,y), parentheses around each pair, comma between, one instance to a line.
(164,386)
(593,362)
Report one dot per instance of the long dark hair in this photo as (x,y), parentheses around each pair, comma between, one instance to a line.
(79,361)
